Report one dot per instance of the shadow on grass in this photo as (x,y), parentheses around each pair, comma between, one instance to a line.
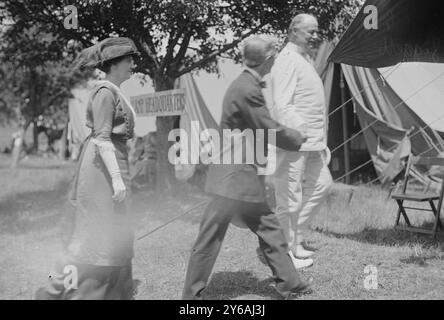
(392,237)
(421,259)
(239,285)
(34,211)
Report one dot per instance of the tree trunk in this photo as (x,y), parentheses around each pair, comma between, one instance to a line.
(165,179)
(18,145)
(64,143)
(35,137)
(33,102)
(165,170)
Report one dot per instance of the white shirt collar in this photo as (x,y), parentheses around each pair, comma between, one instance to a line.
(303,52)
(254,73)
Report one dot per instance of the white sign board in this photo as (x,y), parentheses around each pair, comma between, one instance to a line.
(163,103)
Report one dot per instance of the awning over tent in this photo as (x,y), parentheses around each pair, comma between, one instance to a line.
(407,30)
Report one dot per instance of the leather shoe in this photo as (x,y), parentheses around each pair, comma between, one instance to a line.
(303,288)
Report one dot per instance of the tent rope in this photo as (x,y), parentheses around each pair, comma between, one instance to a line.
(375,121)
(392,148)
(200,204)
(376,179)
(381,77)
(354,170)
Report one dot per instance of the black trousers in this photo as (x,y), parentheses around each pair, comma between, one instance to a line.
(260,220)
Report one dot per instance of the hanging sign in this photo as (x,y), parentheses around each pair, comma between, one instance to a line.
(162,103)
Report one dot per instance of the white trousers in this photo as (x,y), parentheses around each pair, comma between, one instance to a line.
(302,181)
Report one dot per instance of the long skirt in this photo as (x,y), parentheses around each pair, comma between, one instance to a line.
(100,250)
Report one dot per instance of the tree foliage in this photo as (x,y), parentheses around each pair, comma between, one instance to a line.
(36,77)
(37,73)
(173,36)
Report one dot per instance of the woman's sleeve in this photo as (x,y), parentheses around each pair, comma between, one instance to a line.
(103,109)
(103,115)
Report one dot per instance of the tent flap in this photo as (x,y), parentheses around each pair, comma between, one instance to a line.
(385,118)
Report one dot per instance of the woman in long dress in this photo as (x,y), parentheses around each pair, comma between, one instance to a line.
(97,261)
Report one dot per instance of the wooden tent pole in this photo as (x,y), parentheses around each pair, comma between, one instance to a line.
(344,128)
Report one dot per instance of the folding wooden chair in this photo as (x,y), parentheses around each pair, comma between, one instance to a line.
(419,196)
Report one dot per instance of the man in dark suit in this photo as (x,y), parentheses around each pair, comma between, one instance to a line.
(237,190)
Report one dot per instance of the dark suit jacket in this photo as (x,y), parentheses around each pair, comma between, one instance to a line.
(244,108)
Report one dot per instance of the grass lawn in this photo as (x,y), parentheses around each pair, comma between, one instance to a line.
(350,233)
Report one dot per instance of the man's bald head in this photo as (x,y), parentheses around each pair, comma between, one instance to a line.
(302,20)
(257,49)
(303,30)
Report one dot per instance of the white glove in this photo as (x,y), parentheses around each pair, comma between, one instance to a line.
(106,150)
(119,189)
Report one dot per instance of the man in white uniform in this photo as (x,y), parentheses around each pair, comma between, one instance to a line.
(302,179)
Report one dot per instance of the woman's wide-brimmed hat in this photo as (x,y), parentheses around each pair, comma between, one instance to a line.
(105,50)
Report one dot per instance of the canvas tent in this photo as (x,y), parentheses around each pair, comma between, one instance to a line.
(386,32)
(405,31)
(382,106)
